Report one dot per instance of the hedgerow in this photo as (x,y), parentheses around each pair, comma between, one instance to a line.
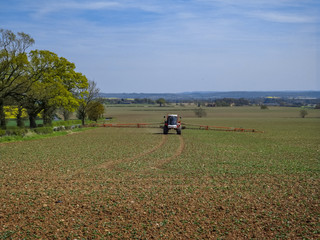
(43,130)
(2,133)
(16,131)
(66,123)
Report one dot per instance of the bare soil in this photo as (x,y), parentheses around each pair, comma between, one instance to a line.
(64,189)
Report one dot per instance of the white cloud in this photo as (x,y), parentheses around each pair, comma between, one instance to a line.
(284,18)
(47,7)
(57,6)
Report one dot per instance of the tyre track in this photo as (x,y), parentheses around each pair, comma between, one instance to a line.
(112,164)
(178,152)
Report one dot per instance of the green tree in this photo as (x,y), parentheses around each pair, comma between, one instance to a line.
(263,107)
(200,112)
(13,66)
(303,113)
(65,113)
(161,101)
(85,99)
(56,84)
(95,110)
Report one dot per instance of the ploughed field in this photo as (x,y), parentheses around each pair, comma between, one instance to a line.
(127,183)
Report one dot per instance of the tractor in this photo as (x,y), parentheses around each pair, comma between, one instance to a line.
(172,121)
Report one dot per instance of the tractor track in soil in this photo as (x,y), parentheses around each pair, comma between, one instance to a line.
(177,153)
(161,163)
(112,164)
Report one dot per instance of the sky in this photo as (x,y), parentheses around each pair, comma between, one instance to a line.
(173,46)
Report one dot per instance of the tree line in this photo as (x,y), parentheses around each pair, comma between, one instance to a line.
(41,82)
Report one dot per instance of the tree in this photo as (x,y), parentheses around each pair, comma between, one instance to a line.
(55,85)
(200,112)
(161,101)
(263,107)
(241,102)
(13,65)
(85,99)
(72,85)
(95,110)
(65,113)
(303,113)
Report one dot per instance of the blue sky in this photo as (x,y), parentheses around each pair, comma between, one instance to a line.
(173,46)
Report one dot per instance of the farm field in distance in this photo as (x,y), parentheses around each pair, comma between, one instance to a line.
(136,183)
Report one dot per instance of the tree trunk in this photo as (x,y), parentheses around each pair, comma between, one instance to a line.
(66,114)
(19,117)
(32,119)
(81,114)
(47,119)
(48,115)
(3,124)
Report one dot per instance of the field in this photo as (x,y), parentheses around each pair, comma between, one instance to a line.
(136,183)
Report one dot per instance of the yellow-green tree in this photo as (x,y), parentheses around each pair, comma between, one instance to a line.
(56,84)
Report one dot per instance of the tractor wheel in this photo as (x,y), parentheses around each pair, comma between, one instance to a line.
(179,131)
(165,130)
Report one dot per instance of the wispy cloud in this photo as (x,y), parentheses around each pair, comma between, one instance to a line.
(58,6)
(48,7)
(285,18)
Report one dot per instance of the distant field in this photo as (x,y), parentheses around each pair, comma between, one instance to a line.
(127,183)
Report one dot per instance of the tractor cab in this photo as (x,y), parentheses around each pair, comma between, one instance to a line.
(172,121)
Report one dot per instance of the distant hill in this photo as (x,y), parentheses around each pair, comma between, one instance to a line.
(217,95)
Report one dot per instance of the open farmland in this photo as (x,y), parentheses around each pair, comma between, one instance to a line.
(118,183)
